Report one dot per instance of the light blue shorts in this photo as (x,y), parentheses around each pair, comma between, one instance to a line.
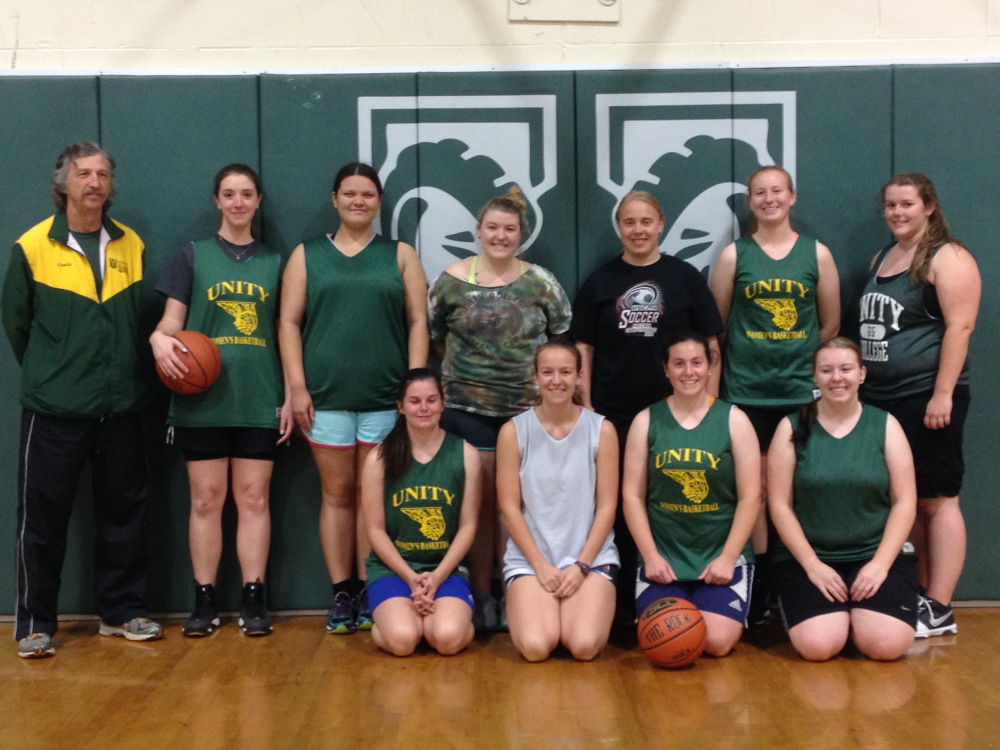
(345,429)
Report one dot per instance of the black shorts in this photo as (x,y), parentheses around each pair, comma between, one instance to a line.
(477,430)
(765,421)
(937,454)
(800,600)
(210,443)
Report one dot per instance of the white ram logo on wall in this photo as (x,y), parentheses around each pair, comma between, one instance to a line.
(448,157)
(664,143)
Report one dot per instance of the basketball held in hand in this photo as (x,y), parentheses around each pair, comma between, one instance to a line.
(672,632)
(203,360)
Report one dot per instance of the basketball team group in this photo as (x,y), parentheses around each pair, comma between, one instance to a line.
(662,437)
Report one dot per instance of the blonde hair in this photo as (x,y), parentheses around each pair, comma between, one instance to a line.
(513,202)
(639,195)
(937,227)
(757,173)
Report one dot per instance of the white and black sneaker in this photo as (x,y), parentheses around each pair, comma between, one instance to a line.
(934,618)
(205,617)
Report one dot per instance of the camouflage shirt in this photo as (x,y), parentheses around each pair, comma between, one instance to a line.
(490,336)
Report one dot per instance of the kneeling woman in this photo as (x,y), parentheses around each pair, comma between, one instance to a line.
(420,498)
(557,487)
(691,495)
(842,496)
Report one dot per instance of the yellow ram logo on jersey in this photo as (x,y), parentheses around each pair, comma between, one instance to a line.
(782,311)
(245,314)
(431,521)
(693,481)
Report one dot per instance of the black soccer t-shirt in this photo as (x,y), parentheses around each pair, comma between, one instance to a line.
(626,312)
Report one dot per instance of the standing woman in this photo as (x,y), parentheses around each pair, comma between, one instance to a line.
(227,288)
(488,314)
(420,496)
(917,313)
(691,494)
(779,293)
(353,320)
(622,315)
(843,499)
(557,487)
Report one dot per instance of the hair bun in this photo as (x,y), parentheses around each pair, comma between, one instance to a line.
(516,196)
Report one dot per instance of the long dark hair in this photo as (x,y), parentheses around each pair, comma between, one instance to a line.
(679,337)
(807,412)
(245,171)
(357,168)
(937,227)
(395,451)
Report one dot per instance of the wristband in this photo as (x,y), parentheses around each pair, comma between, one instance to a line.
(583,566)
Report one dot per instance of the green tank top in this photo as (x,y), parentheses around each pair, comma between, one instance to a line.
(841,490)
(235,303)
(691,488)
(354,336)
(901,333)
(422,509)
(773,326)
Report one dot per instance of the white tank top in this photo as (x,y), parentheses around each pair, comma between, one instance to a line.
(558,492)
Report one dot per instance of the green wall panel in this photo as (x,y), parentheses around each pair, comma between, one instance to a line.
(446,142)
(479,135)
(169,136)
(309,129)
(39,117)
(842,154)
(668,132)
(946,124)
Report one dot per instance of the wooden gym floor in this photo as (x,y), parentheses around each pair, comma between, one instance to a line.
(302,688)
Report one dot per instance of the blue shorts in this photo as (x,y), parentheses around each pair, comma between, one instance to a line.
(731,600)
(391,587)
(345,429)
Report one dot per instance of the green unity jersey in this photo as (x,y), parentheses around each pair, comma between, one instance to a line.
(841,490)
(691,488)
(235,303)
(773,326)
(422,509)
(355,335)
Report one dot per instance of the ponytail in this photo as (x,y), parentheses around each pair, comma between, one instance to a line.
(802,431)
(937,233)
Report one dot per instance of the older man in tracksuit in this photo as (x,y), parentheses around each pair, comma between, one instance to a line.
(70,308)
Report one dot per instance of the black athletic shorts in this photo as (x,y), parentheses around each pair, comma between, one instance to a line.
(765,420)
(210,443)
(800,600)
(477,430)
(937,454)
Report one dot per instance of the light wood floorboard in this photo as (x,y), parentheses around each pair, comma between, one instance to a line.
(302,688)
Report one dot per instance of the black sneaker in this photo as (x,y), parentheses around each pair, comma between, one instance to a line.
(934,618)
(253,611)
(205,617)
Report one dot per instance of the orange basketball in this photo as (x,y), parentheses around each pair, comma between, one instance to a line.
(203,360)
(672,632)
